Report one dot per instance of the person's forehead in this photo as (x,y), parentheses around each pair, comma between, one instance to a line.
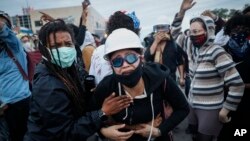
(60,36)
(196,25)
(25,38)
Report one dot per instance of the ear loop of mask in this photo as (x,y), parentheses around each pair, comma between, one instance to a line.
(50,53)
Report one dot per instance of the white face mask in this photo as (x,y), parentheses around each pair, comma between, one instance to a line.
(66,56)
(27,45)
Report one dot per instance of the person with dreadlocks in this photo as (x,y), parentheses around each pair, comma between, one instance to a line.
(58,108)
(79,36)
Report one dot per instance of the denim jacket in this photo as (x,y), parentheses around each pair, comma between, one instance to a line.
(13,87)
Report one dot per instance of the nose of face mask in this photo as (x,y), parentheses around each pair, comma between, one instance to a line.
(65,58)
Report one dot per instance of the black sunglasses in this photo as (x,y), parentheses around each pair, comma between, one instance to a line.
(129,58)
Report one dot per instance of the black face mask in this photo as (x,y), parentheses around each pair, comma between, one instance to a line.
(240,38)
(198,40)
(132,79)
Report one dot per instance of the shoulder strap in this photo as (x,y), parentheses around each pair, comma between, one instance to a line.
(10,54)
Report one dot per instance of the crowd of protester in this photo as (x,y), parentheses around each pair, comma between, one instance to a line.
(68,84)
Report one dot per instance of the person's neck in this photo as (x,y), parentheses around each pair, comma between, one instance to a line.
(136,90)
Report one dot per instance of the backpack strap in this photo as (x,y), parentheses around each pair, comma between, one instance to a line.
(21,70)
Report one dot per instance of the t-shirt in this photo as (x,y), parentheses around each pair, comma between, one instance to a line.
(99,66)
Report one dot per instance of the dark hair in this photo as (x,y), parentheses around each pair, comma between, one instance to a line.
(246,10)
(75,93)
(120,20)
(74,28)
(25,36)
(238,23)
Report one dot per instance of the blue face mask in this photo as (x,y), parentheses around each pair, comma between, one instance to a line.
(239,50)
(66,56)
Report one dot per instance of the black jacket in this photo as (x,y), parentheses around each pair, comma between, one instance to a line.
(154,76)
(51,112)
(171,57)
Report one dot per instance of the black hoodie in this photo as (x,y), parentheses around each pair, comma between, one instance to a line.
(154,76)
(51,115)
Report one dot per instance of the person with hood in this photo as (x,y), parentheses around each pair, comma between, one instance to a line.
(59,108)
(148,84)
(211,69)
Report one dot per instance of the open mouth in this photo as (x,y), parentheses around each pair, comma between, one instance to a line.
(127,72)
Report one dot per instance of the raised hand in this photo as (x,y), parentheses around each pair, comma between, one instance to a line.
(46,17)
(84,15)
(114,104)
(187,4)
(85,4)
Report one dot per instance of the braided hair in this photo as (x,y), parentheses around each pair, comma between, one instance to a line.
(68,76)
